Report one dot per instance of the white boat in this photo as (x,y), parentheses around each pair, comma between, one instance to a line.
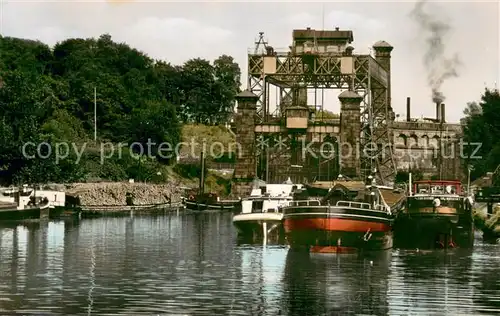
(57,199)
(261,215)
(19,197)
(7,195)
(21,204)
(54,199)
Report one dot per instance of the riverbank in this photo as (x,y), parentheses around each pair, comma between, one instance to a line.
(115,193)
(489,225)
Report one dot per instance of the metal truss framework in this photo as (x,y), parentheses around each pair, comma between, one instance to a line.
(284,151)
(360,73)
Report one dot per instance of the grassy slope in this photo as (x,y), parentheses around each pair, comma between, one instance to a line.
(191,133)
(211,138)
(203,136)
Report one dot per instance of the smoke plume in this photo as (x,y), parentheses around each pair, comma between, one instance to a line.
(439,67)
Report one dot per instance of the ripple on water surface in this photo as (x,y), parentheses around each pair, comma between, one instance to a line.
(191,265)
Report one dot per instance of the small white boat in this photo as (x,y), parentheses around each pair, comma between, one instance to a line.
(21,204)
(56,199)
(17,196)
(31,200)
(261,215)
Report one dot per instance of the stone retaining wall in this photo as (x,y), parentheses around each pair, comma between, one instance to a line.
(114,193)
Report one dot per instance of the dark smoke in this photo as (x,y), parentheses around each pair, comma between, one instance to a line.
(439,67)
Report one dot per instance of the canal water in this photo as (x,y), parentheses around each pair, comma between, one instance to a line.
(192,265)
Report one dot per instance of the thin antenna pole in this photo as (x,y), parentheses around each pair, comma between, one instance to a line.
(95,114)
(370,109)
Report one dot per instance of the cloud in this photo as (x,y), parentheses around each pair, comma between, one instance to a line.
(174,39)
(349,20)
(147,28)
(342,19)
(49,35)
(300,20)
(366,30)
(180,29)
(54,21)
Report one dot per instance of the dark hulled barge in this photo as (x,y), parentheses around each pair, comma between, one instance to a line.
(438,214)
(337,224)
(209,202)
(199,200)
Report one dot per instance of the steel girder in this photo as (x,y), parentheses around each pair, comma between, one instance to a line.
(360,73)
(279,152)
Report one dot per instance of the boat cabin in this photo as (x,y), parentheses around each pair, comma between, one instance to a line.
(345,190)
(269,198)
(437,187)
(264,204)
(442,197)
(370,198)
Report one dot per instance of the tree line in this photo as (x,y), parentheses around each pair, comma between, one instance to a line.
(481,125)
(47,95)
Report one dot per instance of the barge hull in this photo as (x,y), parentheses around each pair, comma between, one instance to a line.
(337,234)
(19,215)
(433,231)
(222,207)
(251,226)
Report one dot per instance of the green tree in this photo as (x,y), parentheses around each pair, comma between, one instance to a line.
(481,126)
(154,125)
(47,95)
(227,86)
(209,91)
(198,80)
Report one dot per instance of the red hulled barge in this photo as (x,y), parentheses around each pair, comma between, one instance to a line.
(338,223)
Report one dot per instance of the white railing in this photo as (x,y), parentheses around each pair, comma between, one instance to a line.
(362,205)
(354,204)
(305,203)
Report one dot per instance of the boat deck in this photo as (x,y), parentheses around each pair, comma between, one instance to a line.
(394,199)
(6,206)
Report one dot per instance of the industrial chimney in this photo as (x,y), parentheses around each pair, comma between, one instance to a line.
(443,120)
(438,112)
(408,113)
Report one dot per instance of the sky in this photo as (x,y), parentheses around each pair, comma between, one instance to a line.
(178,31)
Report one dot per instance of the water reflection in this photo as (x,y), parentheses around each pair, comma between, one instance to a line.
(432,281)
(336,284)
(192,265)
(262,271)
(484,278)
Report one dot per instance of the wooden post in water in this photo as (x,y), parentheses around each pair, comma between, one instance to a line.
(44,213)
